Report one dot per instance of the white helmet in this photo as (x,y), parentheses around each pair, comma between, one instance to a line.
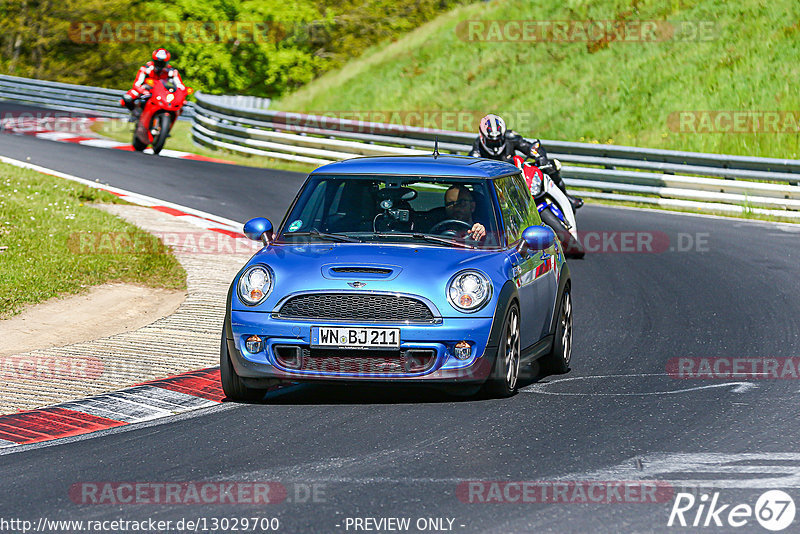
(493,134)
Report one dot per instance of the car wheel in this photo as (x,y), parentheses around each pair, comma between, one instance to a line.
(503,380)
(232,384)
(557,361)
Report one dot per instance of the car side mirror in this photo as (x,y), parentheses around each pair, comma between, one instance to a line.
(538,238)
(258,229)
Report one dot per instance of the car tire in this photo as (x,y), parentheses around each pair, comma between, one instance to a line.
(503,380)
(557,361)
(232,384)
(572,247)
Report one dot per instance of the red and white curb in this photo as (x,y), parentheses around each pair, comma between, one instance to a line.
(201,219)
(67,130)
(146,402)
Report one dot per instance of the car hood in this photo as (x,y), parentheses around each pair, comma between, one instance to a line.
(416,270)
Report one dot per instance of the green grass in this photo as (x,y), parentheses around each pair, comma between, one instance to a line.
(614,92)
(49,244)
(181,139)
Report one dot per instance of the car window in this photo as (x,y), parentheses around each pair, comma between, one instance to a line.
(516,206)
(375,208)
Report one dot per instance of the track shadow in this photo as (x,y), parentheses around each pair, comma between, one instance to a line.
(361,394)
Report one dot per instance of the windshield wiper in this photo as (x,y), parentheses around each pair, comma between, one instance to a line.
(324,235)
(426,237)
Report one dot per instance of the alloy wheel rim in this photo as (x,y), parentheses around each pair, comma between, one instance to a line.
(566,328)
(512,351)
(155,127)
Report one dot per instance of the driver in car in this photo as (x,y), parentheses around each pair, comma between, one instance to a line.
(460,205)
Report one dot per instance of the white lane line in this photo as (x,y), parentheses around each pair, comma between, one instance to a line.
(130,196)
(55,136)
(170,153)
(102,143)
(542,388)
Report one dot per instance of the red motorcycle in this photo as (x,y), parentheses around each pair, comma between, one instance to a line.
(160,109)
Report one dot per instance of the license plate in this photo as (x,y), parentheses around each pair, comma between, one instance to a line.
(358,338)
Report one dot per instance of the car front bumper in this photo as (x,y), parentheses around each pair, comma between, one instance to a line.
(437,339)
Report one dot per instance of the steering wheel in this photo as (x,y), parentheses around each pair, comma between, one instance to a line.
(438,227)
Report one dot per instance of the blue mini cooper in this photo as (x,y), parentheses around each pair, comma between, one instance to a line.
(404,269)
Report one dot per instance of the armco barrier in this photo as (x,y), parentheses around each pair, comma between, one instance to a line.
(670,178)
(68,97)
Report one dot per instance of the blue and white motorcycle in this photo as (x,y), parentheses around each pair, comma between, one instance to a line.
(554,207)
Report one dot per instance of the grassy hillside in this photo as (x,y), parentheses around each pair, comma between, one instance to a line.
(604,91)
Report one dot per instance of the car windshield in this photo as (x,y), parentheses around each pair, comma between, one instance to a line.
(440,211)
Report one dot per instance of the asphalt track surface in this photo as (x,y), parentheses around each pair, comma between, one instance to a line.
(403,452)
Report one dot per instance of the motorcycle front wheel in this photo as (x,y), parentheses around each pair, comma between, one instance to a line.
(161,123)
(572,247)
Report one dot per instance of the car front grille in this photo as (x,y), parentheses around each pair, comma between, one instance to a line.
(336,361)
(359,307)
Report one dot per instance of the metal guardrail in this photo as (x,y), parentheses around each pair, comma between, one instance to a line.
(68,97)
(671,178)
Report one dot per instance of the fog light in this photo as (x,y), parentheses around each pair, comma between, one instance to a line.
(463,350)
(253,344)
(290,357)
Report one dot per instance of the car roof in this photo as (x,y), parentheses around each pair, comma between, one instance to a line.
(457,166)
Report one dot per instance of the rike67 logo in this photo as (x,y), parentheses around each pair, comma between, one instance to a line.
(774,510)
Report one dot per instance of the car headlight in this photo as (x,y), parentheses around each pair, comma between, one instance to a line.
(469,290)
(255,284)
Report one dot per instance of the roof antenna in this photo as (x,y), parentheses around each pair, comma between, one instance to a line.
(436,147)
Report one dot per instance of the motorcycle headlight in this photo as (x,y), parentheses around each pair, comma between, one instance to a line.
(469,291)
(255,284)
(536,186)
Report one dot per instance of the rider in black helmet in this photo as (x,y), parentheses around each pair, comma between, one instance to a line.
(496,142)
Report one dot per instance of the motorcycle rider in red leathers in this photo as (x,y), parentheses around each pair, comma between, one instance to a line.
(496,142)
(157,69)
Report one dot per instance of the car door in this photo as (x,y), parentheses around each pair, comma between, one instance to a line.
(533,271)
